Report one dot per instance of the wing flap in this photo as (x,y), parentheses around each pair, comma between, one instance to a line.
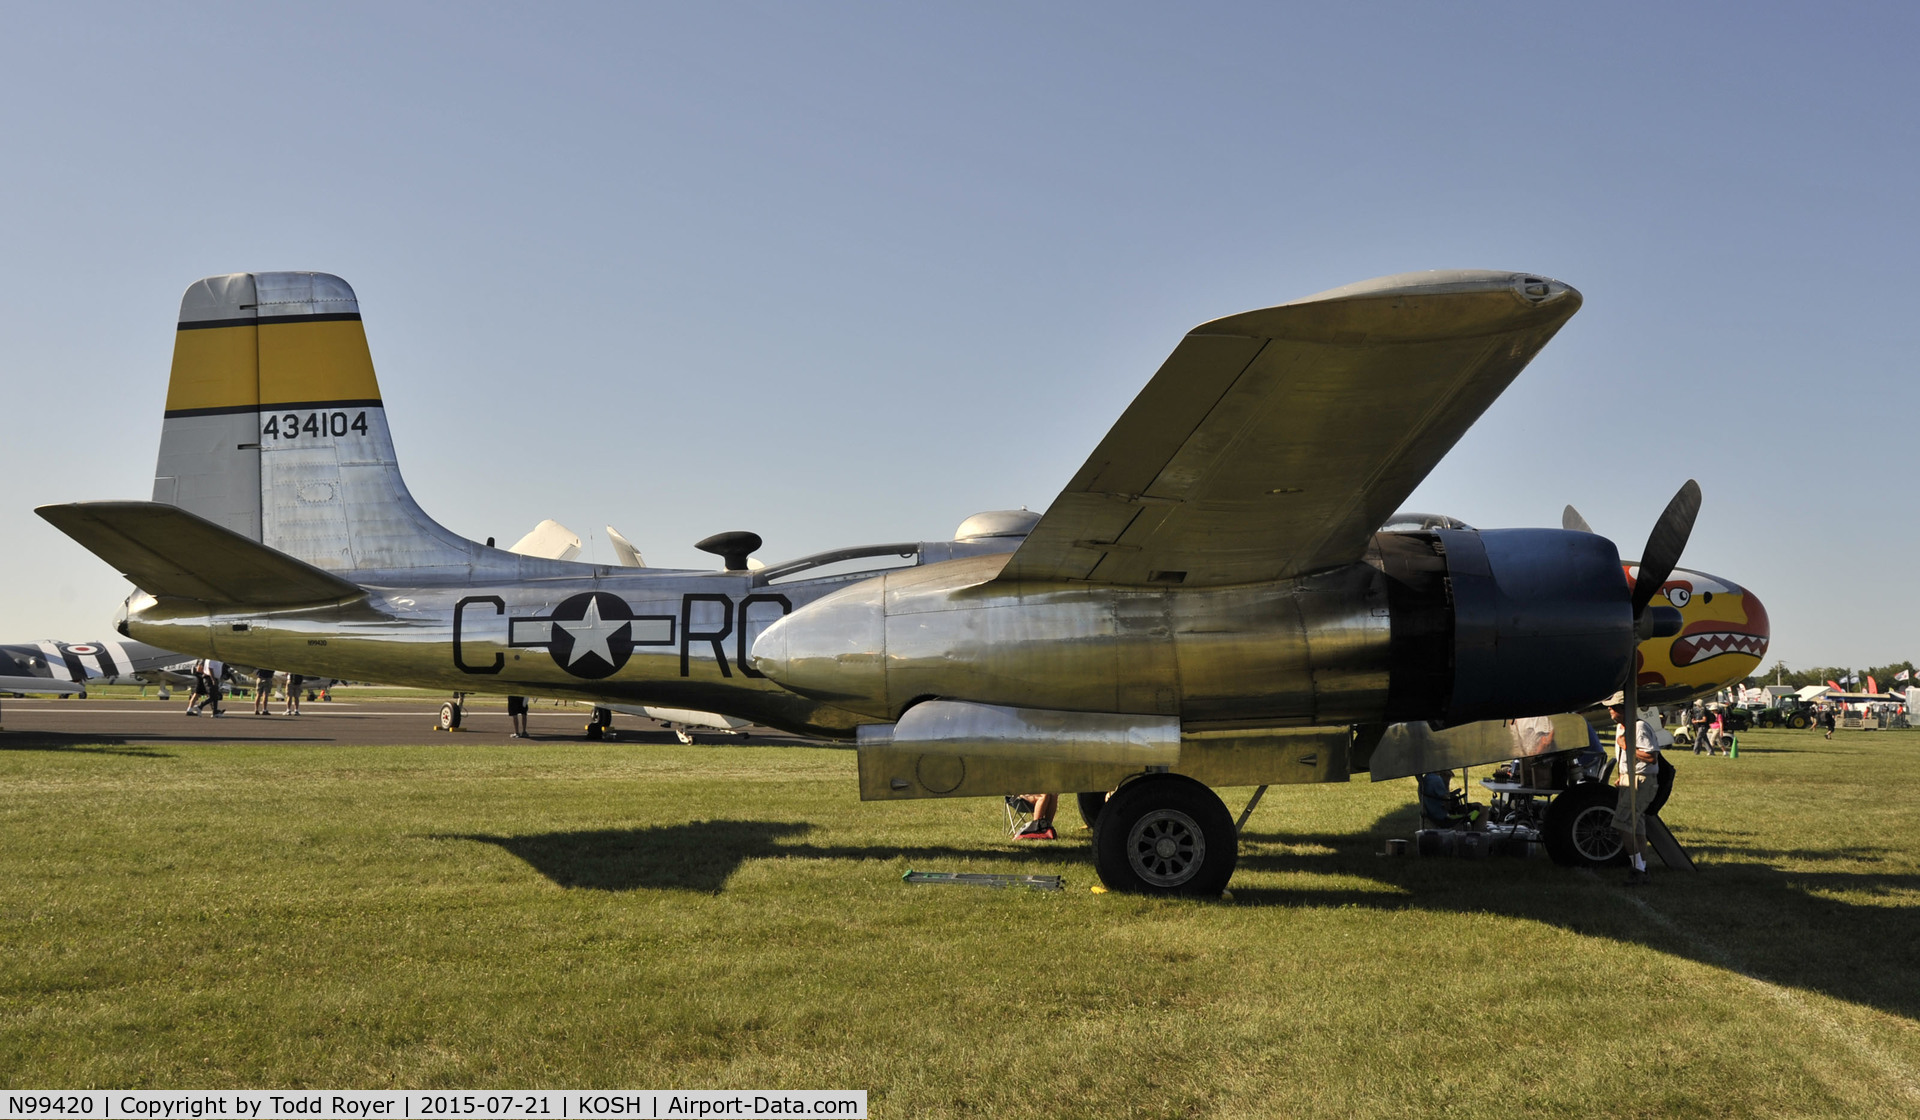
(1276,442)
(169,552)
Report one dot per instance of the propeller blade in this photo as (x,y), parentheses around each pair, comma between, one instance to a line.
(1571,520)
(1664,545)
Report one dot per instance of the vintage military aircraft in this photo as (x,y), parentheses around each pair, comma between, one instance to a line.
(50,668)
(67,668)
(1208,603)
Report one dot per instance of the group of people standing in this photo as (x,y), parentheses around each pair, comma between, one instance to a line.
(1709,730)
(209,674)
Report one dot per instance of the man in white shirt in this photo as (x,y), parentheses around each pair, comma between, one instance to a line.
(1638,779)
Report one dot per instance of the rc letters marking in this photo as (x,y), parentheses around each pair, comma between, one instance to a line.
(594,634)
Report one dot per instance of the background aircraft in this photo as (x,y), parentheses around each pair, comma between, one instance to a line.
(1209,602)
(50,667)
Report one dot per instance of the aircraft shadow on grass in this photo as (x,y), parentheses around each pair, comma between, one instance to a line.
(703,855)
(1739,912)
(59,742)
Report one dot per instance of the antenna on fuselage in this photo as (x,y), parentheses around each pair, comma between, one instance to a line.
(733,548)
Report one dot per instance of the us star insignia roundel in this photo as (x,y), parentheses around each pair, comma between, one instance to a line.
(592,634)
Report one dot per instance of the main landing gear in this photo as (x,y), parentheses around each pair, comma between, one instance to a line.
(1165,834)
(1578,830)
(451,713)
(1091,806)
(601,724)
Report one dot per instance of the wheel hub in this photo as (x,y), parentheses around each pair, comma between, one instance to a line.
(1165,848)
(1593,834)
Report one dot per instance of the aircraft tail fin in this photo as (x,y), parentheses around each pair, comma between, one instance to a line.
(623,550)
(550,540)
(275,430)
(170,552)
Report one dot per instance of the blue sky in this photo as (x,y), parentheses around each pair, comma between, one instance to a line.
(850,273)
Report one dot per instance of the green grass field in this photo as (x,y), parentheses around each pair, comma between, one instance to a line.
(587,915)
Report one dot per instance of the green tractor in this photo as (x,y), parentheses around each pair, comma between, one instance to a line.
(1791,712)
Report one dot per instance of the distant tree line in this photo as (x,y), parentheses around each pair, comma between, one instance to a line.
(1851,679)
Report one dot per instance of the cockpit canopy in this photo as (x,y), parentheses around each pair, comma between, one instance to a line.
(995,531)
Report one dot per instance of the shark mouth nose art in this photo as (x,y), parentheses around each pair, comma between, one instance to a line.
(1695,648)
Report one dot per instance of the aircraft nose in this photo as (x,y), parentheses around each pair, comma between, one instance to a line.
(1757,620)
(769,652)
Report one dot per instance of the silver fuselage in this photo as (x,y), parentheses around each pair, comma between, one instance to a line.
(1312,650)
(825,655)
(683,648)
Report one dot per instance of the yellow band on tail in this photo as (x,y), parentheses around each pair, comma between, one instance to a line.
(242,366)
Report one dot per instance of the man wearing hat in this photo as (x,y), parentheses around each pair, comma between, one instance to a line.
(1638,779)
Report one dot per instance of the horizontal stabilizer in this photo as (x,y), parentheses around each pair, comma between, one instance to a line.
(168,552)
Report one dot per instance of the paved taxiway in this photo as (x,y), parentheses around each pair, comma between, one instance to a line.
(51,722)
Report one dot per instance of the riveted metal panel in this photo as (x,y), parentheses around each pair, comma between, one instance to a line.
(950,749)
(1285,756)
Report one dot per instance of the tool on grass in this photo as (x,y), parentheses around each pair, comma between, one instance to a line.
(981,879)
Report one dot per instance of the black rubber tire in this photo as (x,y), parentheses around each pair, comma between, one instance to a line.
(1166,834)
(1578,831)
(1799,721)
(450,716)
(1091,806)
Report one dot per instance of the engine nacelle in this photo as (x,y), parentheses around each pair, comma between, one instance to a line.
(1503,623)
(1446,625)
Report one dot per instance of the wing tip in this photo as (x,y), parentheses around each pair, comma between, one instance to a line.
(1410,306)
(1530,287)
